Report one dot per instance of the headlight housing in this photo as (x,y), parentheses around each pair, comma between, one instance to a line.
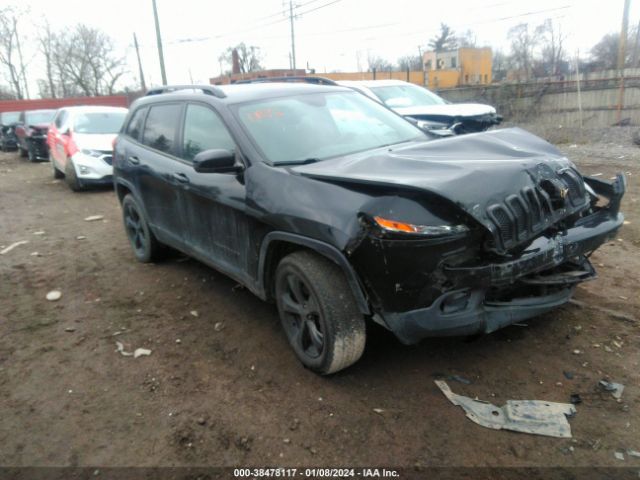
(91,153)
(431,125)
(394,226)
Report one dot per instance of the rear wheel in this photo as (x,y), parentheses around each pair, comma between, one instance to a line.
(318,313)
(145,246)
(71,177)
(56,173)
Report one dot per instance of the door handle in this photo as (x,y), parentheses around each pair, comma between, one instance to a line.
(135,160)
(180,177)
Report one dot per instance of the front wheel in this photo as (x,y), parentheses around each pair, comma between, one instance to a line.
(145,246)
(71,177)
(318,313)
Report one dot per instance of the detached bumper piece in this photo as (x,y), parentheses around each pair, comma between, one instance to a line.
(543,277)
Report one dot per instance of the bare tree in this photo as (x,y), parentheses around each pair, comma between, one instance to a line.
(604,54)
(6,93)
(249,58)
(467,39)
(523,42)
(500,65)
(11,57)
(86,62)
(410,62)
(445,40)
(46,43)
(551,39)
(378,63)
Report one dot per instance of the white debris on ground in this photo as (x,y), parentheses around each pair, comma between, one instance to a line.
(12,246)
(54,295)
(614,388)
(527,416)
(138,352)
(94,218)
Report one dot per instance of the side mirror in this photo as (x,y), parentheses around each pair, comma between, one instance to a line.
(215,161)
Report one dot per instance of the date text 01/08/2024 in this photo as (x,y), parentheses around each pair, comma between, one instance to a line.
(315,473)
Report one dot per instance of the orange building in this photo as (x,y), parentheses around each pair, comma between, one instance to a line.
(454,68)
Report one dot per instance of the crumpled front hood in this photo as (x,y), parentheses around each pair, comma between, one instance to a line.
(473,171)
(449,110)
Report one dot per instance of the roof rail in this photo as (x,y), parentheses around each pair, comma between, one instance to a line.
(293,78)
(206,89)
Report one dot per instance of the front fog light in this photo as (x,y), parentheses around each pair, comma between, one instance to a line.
(84,170)
(424,230)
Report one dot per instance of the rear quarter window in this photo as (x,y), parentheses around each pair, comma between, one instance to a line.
(161,127)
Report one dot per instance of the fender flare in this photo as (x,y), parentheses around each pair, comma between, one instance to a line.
(118,181)
(322,248)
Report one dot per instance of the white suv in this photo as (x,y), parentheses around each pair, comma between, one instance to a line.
(81,144)
(429,111)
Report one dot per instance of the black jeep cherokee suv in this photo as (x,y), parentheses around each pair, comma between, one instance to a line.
(339,210)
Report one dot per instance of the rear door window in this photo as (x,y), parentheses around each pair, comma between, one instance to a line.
(161,127)
(135,124)
(204,130)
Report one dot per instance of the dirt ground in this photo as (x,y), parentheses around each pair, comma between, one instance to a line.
(221,386)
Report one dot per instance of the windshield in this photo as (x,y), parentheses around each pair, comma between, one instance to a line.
(397,96)
(322,125)
(39,117)
(99,122)
(7,118)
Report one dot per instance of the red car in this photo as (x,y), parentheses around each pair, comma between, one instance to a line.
(31,131)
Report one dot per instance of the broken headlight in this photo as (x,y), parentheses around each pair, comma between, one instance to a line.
(422,230)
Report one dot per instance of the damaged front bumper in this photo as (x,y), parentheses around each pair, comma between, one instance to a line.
(493,295)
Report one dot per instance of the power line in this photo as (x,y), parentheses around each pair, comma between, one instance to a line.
(257,26)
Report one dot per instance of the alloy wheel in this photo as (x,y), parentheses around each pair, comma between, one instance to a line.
(135,230)
(302,316)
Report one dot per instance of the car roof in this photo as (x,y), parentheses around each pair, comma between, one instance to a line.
(245,92)
(372,83)
(40,110)
(94,108)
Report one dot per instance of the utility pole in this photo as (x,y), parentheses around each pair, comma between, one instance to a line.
(622,53)
(578,85)
(622,46)
(135,44)
(293,37)
(159,40)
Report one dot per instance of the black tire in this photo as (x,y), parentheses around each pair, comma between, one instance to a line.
(56,173)
(144,243)
(319,315)
(23,152)
(70,176)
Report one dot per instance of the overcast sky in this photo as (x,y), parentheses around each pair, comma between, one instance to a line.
(330,34)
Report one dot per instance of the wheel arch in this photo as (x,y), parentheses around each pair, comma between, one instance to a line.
(123,188)
(276,245)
